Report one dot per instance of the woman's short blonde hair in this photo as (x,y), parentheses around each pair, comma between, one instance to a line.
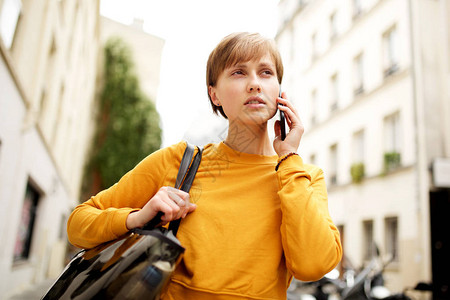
(235,48)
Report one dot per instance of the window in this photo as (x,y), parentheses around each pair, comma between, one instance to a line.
(368,246)
(358,75)
(334,92)
(59,116)
(341,233)
(27,220)
(392,143)
(333,164)
(50,65)
(9,19)
(392,132)
(333,27)
(314,46)
(358,146)
(62,235)
(357,169)
(391,235)
(357,8)
(390,52)
(314,104)
(342,266)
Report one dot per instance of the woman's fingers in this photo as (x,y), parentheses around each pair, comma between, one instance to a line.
(181,198)
(169,208)
(291,113)
(296,129)
(173,203)
(179,201)
(179,193)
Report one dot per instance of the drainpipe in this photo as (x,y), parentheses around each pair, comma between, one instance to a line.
(445,51)
(423,250)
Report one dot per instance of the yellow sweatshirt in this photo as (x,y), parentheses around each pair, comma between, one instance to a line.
(253,229)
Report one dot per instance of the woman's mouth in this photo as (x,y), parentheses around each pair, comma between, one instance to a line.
(255,102)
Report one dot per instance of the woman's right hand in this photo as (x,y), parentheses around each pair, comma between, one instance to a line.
(172,202)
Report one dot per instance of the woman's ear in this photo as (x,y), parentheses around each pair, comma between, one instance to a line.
(213,96)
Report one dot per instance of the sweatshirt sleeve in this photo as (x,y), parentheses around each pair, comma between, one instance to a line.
(103,217)
(311,241)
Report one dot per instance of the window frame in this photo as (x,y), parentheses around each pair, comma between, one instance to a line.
(358,74)
(391,237)
(368,239)
(26,228)
(390,51)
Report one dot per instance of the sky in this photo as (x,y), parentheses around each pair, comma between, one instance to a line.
(191,30)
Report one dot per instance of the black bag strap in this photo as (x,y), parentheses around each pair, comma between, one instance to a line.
(192,171)
(184,165)
(174,225)
(185,177)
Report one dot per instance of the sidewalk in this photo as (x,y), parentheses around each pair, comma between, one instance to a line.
(34,292)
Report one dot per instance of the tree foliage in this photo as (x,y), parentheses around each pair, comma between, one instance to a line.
(128,123)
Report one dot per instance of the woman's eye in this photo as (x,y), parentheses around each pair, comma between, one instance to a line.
(237,72)
(267,72)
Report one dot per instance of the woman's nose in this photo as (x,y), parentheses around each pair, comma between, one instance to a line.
(254,84)
(256,88)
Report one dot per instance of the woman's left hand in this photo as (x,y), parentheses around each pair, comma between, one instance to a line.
(296,129)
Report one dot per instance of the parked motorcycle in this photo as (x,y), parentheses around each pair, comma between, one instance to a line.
(368,284)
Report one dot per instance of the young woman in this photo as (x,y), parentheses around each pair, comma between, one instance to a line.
(258,214)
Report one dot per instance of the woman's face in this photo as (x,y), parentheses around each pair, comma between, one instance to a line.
(247,91)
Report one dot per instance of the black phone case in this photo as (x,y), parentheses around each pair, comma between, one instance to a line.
(282,123)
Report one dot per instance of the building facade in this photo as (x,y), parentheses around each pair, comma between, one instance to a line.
(48,71)
(51,71)
(371,80)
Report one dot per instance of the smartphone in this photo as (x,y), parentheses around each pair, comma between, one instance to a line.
(282,121)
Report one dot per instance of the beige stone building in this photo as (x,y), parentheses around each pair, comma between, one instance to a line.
(371,81)
(48,71)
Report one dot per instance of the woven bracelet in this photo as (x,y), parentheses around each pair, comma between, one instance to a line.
(283,159)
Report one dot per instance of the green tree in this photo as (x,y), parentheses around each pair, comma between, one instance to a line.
(128,123)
